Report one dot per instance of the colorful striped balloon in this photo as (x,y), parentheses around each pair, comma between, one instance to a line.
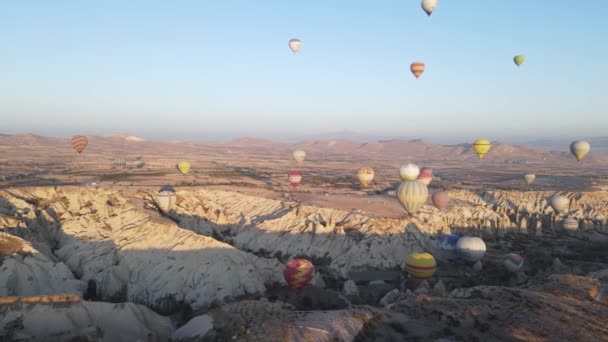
(79,142)
(513,262)
(421,266)
(412,195)
(417,68)
(294,178)
(298,273)
(440,199)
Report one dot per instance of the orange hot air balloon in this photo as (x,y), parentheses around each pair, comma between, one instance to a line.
(79,142)
(298,273)
(417,68)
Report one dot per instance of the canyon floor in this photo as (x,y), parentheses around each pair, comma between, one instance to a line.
(87,255)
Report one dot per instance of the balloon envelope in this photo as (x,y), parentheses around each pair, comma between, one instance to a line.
(295,45)
(183,167)
(79,143)
(412,195)
(513,262)
(166,200)
(440,199)
(409,172)
(519,60)
(570,224)
(417,68)
(425,177)
(429,6)
(471,249)
(559,203)
(481,147)
(447,245)
(365,175)
(529,178)
(298,273)
(580,148)
(299,156)
(294,178)
(421,266)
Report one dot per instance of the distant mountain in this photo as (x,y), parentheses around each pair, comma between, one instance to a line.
(599,145)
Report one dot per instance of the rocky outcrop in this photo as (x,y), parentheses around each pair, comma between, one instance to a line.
(67,318)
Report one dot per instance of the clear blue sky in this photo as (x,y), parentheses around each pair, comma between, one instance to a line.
(213,69)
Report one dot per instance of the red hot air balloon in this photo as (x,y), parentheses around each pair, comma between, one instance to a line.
(294,178)
(79,142)
(298,273)
(440,199)
(425,177)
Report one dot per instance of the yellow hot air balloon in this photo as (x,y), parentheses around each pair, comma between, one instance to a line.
(519,60)
(183,167)
(365,175)
(417,68)
(420,266)
(580,148)
(481,147)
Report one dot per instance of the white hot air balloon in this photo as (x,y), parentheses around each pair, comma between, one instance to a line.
(166,198)
(295,45)
(529,178)
(559,203)
(299,156)
(409,172)
(471,249)
(412,195)
(580,148)
(429,6)
(570,224)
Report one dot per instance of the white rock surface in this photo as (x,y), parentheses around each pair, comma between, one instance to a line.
(197,327)
(35,320)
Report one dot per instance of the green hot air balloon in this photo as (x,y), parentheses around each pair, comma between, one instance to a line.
(519,60)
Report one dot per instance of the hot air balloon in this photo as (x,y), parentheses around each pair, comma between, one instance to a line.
(417,68)
(570,224)
(429,6)
(471,249)
(409,172)
(165,199)
(412,195)
(420,266)
(298,273)
(519,60)
(529,178)
(440,199)
(513,262)
(447,245)
(299,156)
(426,169)
(365,175)
(559,203)
(294,178)
(119,163)
(580,148)
(481,147)
(295,45)
(425,177)
(183,167)
(79,142)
